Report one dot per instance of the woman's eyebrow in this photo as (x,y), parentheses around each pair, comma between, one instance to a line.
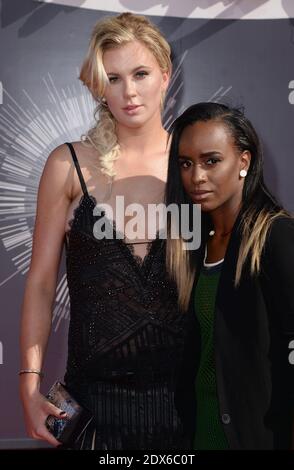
(132,71)
(203,154)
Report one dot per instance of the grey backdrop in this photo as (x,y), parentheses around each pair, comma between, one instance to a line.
(42,104)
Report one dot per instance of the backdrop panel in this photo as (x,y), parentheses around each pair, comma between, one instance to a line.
(241,61)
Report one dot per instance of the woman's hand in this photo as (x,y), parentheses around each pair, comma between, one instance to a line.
(36,410)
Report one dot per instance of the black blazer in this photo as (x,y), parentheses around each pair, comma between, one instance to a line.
(253,326)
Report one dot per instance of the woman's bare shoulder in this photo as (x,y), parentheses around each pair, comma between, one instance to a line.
(59,171)
(60,159)
(59,156)
(86,154)
(84,149)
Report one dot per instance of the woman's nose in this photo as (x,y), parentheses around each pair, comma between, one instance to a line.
(129,88)
(198,175)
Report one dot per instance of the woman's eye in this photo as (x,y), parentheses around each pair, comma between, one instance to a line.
(185,163)
(212,161)
(141,74)
(112,79)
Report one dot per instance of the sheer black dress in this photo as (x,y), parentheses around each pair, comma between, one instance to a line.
(125,337)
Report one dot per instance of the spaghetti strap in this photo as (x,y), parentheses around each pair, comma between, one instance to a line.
(77,165)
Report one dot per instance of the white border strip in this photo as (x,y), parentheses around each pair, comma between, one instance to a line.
(223,9)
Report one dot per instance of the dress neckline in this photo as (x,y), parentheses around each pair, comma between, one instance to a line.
(140,264)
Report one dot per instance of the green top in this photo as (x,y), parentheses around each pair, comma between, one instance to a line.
(209,429)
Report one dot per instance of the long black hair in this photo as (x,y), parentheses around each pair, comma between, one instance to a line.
(259,206)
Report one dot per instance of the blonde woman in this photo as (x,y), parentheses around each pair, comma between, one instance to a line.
(126,333)
(236,389)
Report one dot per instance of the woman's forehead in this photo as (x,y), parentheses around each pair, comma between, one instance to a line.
(127,57)
(203,133)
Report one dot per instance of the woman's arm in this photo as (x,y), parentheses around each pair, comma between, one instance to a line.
(54,197)
(280,252)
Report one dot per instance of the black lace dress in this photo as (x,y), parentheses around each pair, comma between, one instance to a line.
(125,338)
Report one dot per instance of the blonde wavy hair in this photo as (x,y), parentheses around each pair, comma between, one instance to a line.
(110,33)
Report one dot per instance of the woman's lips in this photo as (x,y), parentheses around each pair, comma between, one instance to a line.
(131,109)
(200,195)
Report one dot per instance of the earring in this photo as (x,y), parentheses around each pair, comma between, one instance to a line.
(243,173)
(103,102)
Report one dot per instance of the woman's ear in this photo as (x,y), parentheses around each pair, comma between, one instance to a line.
(165,80)
(245,160)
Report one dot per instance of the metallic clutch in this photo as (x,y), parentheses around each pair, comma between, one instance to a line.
(67,430)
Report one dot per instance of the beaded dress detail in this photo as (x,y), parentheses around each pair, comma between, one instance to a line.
(125,337)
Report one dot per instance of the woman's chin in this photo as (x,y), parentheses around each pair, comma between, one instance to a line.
(205,207)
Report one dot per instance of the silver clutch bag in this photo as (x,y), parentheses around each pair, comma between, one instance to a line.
(67,430)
